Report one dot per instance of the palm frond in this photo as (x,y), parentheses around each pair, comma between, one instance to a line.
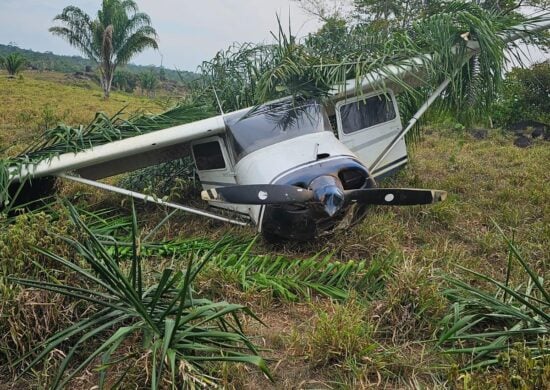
(178,329)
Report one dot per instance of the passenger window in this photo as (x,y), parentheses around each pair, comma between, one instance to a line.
(366,113)
(208,156)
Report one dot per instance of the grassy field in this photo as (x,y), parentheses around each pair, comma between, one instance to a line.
(382,332)
(36,101)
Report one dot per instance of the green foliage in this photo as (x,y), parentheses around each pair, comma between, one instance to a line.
(149,82)
(22,322)
(19,235)
(13,63)
(247,75)
(294,278)
(254,74)
(101,130)
(287,278)
(391,14)
(124,80)
(117,34)
(174,179)
(180,332)
(525,96)
(483,324)
(412,304)
(520,370)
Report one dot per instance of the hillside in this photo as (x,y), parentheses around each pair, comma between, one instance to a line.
(371,327)
(49,61)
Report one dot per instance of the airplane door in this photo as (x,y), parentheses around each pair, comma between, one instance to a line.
(215,167)
(367,125)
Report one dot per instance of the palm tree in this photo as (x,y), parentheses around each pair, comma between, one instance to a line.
(251,75)
(117,34)
(13,63)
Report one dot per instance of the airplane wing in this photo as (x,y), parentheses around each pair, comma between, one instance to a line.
(124,155)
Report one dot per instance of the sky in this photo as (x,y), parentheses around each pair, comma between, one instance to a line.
(190,31)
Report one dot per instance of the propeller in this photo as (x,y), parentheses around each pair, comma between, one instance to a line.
(329,192)
(259,194)
(395,196)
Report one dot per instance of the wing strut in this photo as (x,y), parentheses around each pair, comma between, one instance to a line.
(411,123)
(149,198)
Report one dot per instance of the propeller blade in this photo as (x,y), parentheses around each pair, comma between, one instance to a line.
(258,194)
(395,196)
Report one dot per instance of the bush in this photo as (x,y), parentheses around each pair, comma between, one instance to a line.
(149,82)
(526,95)
(125,81)
(13,63)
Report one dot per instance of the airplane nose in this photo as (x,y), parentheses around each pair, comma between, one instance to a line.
(328,190)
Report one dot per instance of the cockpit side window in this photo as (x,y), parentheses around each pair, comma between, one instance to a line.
(208,156)
(366,113)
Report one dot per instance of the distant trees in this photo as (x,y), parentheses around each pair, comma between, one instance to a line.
(13,63)
(117,34)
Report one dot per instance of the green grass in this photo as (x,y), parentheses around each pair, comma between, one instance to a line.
(390,326)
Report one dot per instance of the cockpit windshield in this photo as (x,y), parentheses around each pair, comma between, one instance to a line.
(273,123)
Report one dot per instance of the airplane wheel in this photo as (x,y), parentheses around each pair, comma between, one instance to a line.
(31,191)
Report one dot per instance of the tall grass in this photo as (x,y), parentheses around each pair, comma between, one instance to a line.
(181,333)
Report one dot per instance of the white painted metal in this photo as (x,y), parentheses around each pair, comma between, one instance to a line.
(149,198)
(399,140)
(224,176)
(264,165)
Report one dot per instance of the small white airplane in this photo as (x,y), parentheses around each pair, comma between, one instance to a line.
(293,169)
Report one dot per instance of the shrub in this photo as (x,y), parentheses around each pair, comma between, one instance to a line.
(525,96)
(125,81)
(149,82)
(13,63)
